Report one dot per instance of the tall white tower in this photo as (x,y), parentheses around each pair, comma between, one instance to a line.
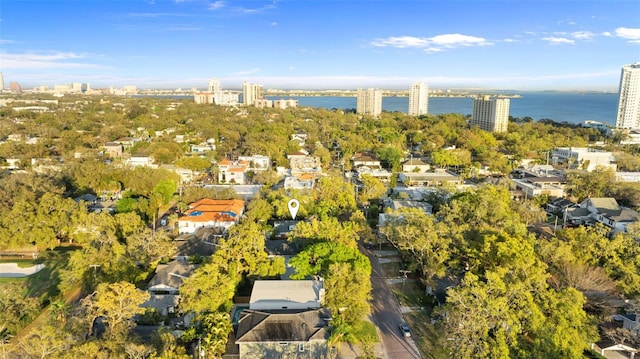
(214,86)
(490,114)
(1,82)
(251,93)
(418,99)
(369,102)
(629,102)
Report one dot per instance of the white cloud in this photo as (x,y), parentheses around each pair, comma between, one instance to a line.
(631,34)
(401,42)
(291,68)
(558,40)
(454,40)
(50,60)
(431,44)
(246,72)
(583,35)
(274,24)
(607,34)
(217,5)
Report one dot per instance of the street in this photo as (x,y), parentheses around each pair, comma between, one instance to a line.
(386,315)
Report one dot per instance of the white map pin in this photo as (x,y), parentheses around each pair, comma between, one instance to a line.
(293,205)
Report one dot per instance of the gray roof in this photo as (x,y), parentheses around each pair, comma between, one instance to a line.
(283,326)
(607,206)
(171,274)
(414,162)
(425,206)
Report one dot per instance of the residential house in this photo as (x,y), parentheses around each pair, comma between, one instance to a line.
(559,205)
(300,139)
(426,207)
(585,158)
(281,229)
(602,210)
(164,287)
(430,179)
(288,334)
(203,147)
(213,213)
(366,158)
(300,181)
(415,165)
(140,161)
(533,186)
(303,163)
(257,162)
(113,149)
(287,294)
(285,319)
(127,142)
(233,172)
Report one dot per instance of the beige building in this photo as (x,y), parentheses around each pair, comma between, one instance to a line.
(490,114)
(369,102)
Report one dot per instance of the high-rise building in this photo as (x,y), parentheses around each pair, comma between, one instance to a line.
(15,87)
(215,95)
(1,82)
(629,102)
(418,99)
(490,114)
(214,86)
(251,93)
(369,102)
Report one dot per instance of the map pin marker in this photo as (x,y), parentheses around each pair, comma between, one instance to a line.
(293,205)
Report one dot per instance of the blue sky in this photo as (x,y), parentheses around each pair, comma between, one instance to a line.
(330,44)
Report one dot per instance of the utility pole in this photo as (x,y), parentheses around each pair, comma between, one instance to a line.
(95,269)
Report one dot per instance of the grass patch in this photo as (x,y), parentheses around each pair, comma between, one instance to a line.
(365,331)
(44,284)
(427,337)
(410,294)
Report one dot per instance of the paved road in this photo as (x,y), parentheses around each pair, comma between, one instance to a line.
(386,315)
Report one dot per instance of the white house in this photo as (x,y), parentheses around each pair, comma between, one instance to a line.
(602,210)
(586,158)
(286,294)
(232,172)
(211,213)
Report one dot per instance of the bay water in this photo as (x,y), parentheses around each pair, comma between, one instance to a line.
(570,107)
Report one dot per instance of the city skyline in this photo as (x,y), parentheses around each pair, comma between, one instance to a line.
(498,44)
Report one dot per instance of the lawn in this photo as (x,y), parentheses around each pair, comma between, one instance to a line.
(41,285)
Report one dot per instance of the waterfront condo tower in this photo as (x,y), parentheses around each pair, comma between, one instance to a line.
(251,93)
(369,102)
(490,114)
(629,101)
(418,99)
(214,86)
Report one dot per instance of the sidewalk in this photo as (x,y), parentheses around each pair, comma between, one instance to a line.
(351,351)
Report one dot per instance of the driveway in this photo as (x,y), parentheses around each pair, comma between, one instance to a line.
(13,271)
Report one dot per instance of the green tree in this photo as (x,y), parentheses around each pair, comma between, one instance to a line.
(372,188)
(422,241)
(117,303)
(165,188)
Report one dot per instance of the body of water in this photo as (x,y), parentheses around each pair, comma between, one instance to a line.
(568,107)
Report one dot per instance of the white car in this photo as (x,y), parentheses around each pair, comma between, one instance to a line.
(404,329)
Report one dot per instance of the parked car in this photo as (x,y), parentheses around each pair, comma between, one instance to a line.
(404,329)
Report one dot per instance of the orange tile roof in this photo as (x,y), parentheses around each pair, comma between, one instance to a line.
(221,210)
